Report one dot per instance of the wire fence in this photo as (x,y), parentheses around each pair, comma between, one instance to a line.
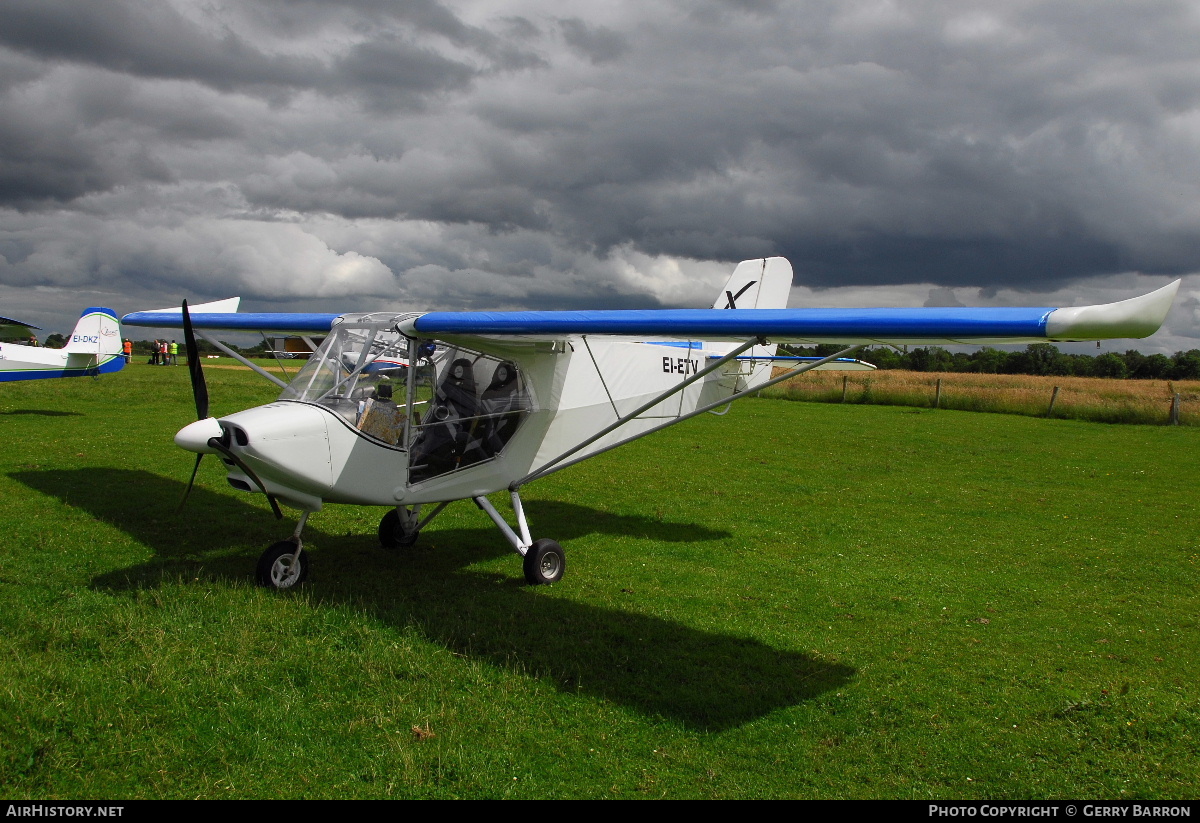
(1147,402)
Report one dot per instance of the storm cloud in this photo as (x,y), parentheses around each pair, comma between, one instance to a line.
(367,154)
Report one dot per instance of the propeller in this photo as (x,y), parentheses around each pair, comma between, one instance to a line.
(200,395)
(199,389)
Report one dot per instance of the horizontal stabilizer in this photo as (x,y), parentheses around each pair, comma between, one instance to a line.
(840,364)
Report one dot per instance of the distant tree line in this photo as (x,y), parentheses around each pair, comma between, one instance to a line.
(1037,358)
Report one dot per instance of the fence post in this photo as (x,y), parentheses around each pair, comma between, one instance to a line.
(937,397)
(1053,397)
(1175,409)
(845,386)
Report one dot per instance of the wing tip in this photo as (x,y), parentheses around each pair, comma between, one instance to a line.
(1136,317)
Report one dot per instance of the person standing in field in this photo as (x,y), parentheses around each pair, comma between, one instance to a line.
(127,350)
(154,353)
(174,353)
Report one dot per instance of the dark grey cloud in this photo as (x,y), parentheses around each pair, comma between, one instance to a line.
(467,154)
(274,49)
(599,43)
(394,73)
(147,39)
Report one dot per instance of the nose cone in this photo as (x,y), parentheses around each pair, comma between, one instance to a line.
(195,436)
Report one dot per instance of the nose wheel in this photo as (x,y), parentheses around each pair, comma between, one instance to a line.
(396,533)
(283,566)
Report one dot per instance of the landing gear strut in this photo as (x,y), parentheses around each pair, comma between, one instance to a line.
(545,560)
(285,564)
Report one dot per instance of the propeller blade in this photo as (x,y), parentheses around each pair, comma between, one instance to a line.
(199,389)
(191,482)
(216,443)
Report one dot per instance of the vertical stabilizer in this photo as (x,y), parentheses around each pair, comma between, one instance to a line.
(97,333)
(95,345)
(764,283)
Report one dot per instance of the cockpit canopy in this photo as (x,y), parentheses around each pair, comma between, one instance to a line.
(449,407)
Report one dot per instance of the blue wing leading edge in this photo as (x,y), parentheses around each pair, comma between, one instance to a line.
(1134,318)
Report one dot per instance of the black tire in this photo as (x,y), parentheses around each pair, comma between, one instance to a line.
(391,536)
(276,568)
(545,563)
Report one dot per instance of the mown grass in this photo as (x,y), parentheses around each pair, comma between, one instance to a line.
(1092,399)
(795,600)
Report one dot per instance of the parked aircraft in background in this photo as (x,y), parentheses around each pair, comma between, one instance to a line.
(16,331)
(413,409)
(94,348)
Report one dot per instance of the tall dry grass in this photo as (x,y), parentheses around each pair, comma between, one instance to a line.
(1079,398)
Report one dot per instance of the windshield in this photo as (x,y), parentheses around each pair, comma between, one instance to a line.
(361,372)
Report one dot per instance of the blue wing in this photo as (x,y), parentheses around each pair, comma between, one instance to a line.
(270,322)
(776,324)
(1137,317)
(223,315)
(8,321)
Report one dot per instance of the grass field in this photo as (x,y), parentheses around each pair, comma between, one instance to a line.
(794,600)
(1092,399)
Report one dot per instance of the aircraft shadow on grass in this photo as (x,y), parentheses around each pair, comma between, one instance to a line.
(700,679)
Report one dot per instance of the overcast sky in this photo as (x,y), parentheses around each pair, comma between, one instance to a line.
(367,154)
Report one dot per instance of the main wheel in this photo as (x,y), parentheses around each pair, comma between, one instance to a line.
(278,568)
(545,562)
(391,536)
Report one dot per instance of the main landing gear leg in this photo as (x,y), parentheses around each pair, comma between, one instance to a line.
(545,561)
(402,525)
(284,565)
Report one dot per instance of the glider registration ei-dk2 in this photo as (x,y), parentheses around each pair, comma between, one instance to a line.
(415,410)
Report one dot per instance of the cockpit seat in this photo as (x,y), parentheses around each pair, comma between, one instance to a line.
(444,442)
(499,407)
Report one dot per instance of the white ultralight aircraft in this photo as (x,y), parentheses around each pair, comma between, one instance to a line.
(93,349)
(412,410)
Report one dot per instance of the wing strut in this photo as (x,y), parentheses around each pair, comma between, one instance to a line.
(561,462)
(242,359)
